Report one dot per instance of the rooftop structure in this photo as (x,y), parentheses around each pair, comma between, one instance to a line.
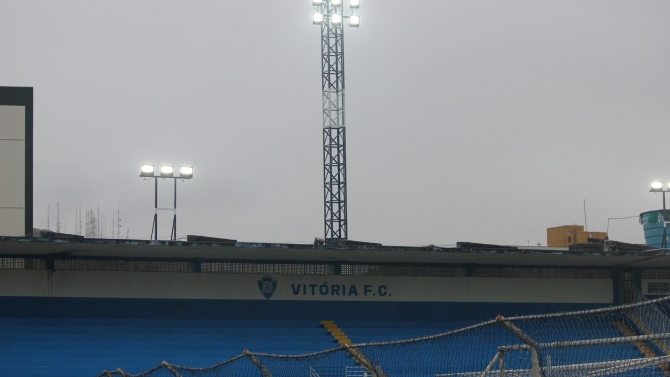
(566,235)
(463,253)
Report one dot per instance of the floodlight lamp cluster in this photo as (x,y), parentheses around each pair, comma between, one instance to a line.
(166,171)
(337,12)
(657,186)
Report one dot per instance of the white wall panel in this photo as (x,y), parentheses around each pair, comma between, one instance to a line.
(12,174)
(12,222)
(12,122)
(12,170)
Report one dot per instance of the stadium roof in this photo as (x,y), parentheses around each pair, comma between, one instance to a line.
(462,254)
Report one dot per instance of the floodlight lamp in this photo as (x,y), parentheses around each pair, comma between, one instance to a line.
(317,18)
(354,3)
(186,172)
(317,2)
(167,171)
(336,19)
(354,21)
(336,3)
(656,186)
(147,170)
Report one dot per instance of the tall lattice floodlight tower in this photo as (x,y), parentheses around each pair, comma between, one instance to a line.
(331,15)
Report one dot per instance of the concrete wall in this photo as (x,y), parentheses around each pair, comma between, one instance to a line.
(114,284)
(63,293)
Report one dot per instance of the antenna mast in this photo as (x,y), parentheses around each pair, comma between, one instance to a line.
(586,227)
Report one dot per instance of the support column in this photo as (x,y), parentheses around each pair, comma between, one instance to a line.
(637,281)
(171,369)
(536,368)
(493,362)
(265,372)
(362,359)
(154,228)
(173,234)
(616,286)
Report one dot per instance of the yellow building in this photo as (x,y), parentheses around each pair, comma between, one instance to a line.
(566,235)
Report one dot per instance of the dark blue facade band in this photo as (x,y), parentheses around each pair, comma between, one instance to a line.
(56,307)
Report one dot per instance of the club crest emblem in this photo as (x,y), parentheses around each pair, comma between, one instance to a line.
(267,286)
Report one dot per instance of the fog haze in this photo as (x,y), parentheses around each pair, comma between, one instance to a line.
(466,121)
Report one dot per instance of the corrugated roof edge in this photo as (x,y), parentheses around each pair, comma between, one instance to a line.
(483,249)
(104,241)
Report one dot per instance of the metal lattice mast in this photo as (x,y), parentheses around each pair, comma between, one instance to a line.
(334,130)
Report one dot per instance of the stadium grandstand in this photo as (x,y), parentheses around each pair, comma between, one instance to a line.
(84,307)
(89,307)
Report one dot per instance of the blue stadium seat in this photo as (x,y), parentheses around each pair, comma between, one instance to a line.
(472,346)
(85,347)
(368,331)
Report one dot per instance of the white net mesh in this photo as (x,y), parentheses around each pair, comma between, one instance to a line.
(628,340)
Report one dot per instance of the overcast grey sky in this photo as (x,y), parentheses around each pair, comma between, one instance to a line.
(484,121)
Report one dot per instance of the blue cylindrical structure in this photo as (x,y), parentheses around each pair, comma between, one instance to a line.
(652,223)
